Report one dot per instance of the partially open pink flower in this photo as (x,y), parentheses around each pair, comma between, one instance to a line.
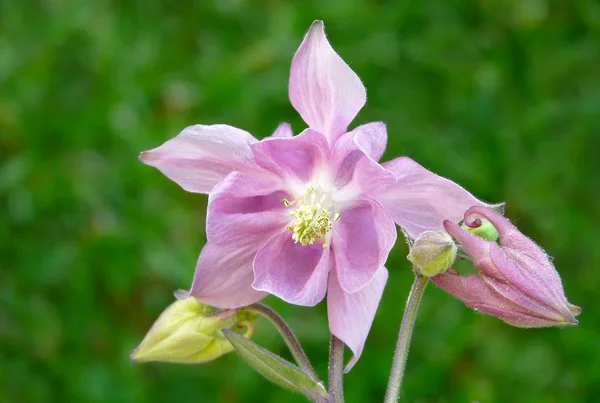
(516,283)
(302,216)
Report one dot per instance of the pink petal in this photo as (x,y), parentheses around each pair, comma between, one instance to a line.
(513,318)
(283,130)
(323,88)
(477,248)
(361,242)
(530,279)
(200,156)
(529,304)
(469,289)
(223,276)
(476,293)
(422,200)
(297,274)
(243,207)
(292,158)
(354,160)
(370,178)
(351,315)
(371,138)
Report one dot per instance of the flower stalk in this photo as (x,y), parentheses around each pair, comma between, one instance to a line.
(336,371)
(403,344)
(288,336)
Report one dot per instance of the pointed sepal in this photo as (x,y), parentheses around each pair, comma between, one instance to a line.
(275,368)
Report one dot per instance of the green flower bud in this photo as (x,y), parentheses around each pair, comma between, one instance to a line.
(485,231)
(432,253)
(186,332)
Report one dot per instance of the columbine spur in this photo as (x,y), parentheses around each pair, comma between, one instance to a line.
(302,216)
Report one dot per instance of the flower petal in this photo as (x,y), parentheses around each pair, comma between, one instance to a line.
(371,138)
(297,274)
(354,160)
(293,158)
(201,156)
(283,130)
(361,242)
(351,315)
(243,207)
(477,248)
(223,276)
(531,280)
(476,293)
(530,304)
(323,88)
(421,200)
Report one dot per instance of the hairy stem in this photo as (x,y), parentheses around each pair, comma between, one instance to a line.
(288,336)
(336,371)
(402,345)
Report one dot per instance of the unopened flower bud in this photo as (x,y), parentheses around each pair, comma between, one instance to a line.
(432,253)
(483,229)
(186,332)
(516,282)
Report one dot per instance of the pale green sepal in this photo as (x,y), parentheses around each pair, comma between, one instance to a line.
(432,253)
(186,333)
(275,368)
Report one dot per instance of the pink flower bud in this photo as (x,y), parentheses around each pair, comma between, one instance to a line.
(516,282)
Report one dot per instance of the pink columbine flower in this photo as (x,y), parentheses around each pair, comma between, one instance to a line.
(302,216)
(516,282)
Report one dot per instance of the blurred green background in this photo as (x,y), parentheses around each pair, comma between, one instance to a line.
(500,96)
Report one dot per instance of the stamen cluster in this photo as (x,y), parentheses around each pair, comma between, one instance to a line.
(312,220)
(310,223)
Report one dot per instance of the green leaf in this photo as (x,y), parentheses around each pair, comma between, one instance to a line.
(275,368)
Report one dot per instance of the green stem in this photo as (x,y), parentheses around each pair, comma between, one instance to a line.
(403,343)
(288,336)
(336,371)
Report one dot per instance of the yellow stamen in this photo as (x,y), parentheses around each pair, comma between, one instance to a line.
(310,223)
(312,220)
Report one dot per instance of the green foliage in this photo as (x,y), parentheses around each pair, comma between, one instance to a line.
(502,97)
(274,368)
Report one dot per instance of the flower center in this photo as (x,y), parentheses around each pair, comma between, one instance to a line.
(313,218)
